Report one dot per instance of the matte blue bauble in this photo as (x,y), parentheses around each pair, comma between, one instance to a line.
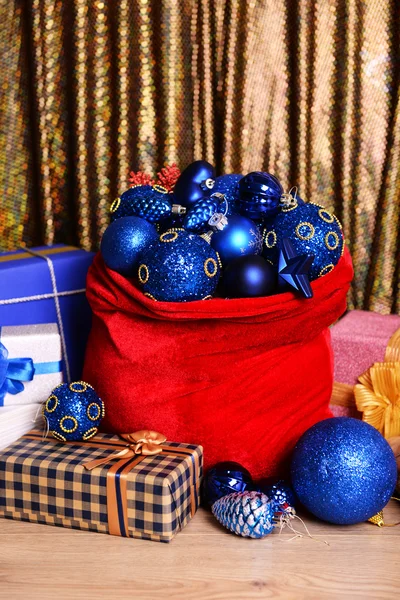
(180,267)
(229,186)
(122,242)
(195,182)
(152,203)
(249,514)
(312,230)
(343,470)
(249,277)
(73,412)
(238,238)
(259,195)
(222,479)
(198,215)
(278,491)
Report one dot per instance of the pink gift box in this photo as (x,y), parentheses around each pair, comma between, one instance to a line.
(358,341)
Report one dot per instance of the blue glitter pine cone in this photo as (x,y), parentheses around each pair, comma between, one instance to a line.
(198,215)
(180,267)
(249,514)
(73,412)
(152,203)
(312,230)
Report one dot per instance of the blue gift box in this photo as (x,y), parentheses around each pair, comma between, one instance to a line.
(27,295)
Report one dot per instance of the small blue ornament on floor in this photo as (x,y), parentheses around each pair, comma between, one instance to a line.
(249,277)
(312,230)
(195,182)
(343,470)
(229,186)
(259,195)
(236,236)
(73,412)
(122,242)
(153,203)
(180,267)
(278,491)
(224,478)
(249,514)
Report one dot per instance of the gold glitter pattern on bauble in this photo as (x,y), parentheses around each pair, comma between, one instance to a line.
(148,295)
(160,188)
(169,236)
(115,205)
(90,433)
(326,216)
(270,243)
(68,429)
(79,386)
(326,269)
(207,271)
(93,405)
(143,274)
(58,436)
(207,297)
(50,399)
(301,234)
(329,244)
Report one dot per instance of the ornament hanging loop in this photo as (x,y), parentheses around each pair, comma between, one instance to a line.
(289,199)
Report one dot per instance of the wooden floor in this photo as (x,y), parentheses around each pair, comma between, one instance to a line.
(202,562)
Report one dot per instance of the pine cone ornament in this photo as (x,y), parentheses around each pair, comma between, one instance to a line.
(249,514)
(196,220)
(148,202)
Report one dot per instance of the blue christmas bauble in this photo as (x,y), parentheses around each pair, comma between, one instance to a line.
(249,514)
(198,215)
(259,195)
(229,186)
(239,237)
(122,242)
(311,230)
(180,267)
(194,183)
(278,491)
(73,412)
(222,479)
(153,203)
(249,277)
(343,470)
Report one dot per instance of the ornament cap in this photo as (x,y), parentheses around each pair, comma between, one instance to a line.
(207,184)
(177,209)
(218,222)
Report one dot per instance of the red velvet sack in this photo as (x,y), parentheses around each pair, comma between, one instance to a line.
(244,378)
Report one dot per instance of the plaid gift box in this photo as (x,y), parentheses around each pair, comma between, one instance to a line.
(148,497)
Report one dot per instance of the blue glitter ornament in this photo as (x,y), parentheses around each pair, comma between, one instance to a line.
(222,479)
(229,186)
(194,183)
(278,491)
(199,214)
(153,203)
(122,242)
(73,412)
(249,277)
(238,237)
(343,470)
(259,195)
(180,267)
(312,230)
(249,514)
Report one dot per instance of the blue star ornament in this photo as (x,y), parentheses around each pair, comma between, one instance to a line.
(293,269)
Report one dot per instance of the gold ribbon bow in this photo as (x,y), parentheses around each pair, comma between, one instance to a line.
(377,394)
(145,442)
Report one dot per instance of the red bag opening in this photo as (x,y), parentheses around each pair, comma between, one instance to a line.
(244,378)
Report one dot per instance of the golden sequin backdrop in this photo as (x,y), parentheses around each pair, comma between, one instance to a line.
(306,89)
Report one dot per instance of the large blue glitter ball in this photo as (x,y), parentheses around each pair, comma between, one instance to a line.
(222,479)
(122,242)
(249,277)
(73,412)
(312,230)
(238,238)
(229,186)
(259,195)
(152,203)
(195,182)
(180,267)
(343,470)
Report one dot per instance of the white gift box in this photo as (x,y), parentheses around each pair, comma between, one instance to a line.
(15,421)
(42,344)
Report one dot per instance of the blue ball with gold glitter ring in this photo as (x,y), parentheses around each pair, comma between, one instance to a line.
(312,230)
(180,267)
(73,412)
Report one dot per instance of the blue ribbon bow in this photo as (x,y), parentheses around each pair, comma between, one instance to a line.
(13,371)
